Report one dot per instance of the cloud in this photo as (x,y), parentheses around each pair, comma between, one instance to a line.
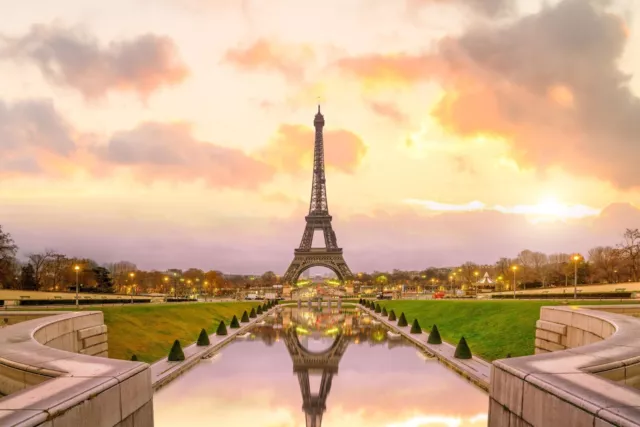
(389,111)
(158,151)
(548,83)
(486,7)
(33,137)
(72,58)
(289,60)
(291,150)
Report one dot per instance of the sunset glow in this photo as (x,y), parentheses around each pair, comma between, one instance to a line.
(180,134)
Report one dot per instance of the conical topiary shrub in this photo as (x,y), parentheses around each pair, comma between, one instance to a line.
(253,313)
(245,317)
(176,354)
(360,301)
(415,327)
(222,328)
(434,336)
(134,358)
(265,308)
(378,309)
(392,316)
(234,323)
(402,321)
(462,350)
(384,312)
(203,339)
(259,310)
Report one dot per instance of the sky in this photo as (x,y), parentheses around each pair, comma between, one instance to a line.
(179,133)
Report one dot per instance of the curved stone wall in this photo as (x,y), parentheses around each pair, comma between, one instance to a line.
(584,373)
(49,369)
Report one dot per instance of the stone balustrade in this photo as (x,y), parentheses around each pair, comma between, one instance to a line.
(584,373)
(50,372)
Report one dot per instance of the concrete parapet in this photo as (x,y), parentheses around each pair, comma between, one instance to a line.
(584,373)
(51,379)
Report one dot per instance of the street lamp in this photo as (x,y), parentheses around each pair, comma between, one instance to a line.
(132,275)
(514,268)
(575,258)
(475,273)
(77,269)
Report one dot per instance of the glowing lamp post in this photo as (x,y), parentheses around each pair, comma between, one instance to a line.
(475,273)
(575,259)
(514,268)
(77,269)
(132,275)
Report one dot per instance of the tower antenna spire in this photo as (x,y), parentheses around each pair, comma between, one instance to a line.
(318,105)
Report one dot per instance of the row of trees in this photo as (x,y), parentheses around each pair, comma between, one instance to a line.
(50,270)
(602,264)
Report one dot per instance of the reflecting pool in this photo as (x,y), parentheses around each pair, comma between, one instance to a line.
(329,367)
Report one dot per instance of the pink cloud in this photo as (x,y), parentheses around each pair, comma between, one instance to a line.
(168,151)
(72,58)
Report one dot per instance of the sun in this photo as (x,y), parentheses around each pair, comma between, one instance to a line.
(550,209)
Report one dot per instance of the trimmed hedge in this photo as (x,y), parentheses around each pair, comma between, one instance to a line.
(378,309)
(234,323)
(245,317)
(203,339)
(402,321)
(415,327)
(134,358)
(253,313)
(462,350)
(259,311)
(434,336)
(222,328)
(392,316)
(176,354)
(384,312)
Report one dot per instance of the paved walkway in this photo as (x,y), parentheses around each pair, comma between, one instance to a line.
(163,371)
(476,370)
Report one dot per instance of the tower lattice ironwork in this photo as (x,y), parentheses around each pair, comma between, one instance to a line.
(318,219)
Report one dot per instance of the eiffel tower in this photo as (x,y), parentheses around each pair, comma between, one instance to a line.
(330,256)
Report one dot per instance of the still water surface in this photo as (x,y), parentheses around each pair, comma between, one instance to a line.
(331,368)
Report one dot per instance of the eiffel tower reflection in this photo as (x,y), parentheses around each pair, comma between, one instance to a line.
(336,329)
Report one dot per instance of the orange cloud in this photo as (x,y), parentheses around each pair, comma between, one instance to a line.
(548,84)
(392,69)
(388,111)
(290,60)
(72,58)
(291,149)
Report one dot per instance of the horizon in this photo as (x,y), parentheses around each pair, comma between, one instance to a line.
(185,138)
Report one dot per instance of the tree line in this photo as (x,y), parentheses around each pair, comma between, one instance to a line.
(50,270)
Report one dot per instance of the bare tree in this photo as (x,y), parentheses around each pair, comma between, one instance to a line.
(38,261)
(605,261)
(630,250)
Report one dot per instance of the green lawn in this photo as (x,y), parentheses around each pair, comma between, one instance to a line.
(492,329)
(148,331)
